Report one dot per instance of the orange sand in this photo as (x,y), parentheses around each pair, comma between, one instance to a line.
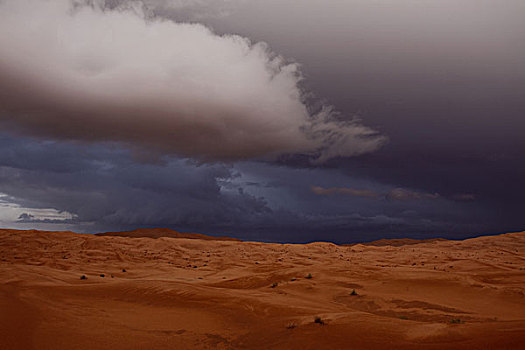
(180,293)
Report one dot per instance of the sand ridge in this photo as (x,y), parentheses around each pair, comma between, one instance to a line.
(182,293)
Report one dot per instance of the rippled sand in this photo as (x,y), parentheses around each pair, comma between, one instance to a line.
(180,293)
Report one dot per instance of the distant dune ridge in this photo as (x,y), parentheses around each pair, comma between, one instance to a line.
(398,242)
(125,290)
(164,232)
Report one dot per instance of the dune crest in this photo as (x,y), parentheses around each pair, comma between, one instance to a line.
(61,290)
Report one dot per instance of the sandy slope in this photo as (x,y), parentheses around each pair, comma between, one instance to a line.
(191,293)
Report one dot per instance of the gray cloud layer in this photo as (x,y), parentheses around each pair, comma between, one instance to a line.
(85,72)
(105,189)
(396,194)
(345,191)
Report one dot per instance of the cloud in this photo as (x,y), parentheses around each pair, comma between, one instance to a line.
(466,197)
(398,194)
(80,71)
(27,218)
(14,215)
(109,190)
(90,188)
(190,10)
(24,217)
(401,194)
(344,190)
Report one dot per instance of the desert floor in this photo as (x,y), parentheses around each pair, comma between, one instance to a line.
(178,293)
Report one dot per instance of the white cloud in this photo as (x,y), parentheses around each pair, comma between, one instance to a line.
(15,215)
(88,73)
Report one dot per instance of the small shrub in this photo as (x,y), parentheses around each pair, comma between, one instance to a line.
(274,284)
(353,292)
(83,277)
(403,317)
(123,270)
(309,276)
(293,279)
(318,320)
(102,275)
(456,321)
(291,325)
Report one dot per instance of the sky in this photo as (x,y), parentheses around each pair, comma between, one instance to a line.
(272,120)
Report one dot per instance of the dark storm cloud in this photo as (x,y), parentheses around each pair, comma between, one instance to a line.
(109,190)
(399,194)
(89,72)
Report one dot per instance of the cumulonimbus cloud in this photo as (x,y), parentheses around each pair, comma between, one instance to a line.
(74,69)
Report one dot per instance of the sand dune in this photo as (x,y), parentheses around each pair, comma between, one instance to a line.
(180,293)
